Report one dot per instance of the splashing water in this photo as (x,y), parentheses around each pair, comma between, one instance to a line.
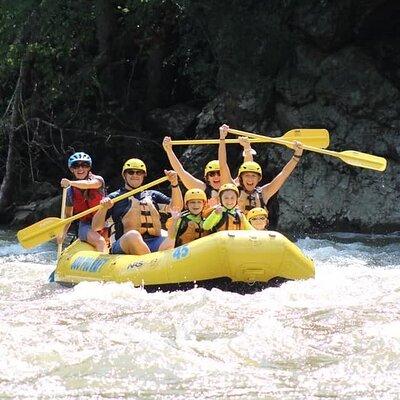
(335,336)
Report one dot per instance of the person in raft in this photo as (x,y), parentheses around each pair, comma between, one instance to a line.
(258,218)
(212,179)
(226,216)
(250,174)
(84,191)
(187,226)
(137,218)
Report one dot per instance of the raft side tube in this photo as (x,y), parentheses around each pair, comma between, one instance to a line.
(241,256)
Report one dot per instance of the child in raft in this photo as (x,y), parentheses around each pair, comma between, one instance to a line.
(258,218)
(226,215)
(187,226)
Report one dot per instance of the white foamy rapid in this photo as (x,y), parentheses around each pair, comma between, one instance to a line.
(334,337)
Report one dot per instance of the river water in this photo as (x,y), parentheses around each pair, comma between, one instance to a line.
(334,337)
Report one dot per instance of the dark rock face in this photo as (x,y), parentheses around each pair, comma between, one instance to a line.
(303,64)
(36,211)
(343,76)
(175,120)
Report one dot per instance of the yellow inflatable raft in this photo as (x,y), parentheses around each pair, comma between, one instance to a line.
(243,261)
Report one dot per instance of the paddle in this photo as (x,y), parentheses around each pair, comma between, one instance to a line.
(350,157)
(62,216)
(49,228)
(312,137)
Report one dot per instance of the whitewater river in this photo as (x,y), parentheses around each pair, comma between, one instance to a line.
(333,337)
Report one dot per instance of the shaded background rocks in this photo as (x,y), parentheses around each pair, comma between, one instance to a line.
(132,72)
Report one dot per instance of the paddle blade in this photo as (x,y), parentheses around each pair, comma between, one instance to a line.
(40,232)
(310,137)
(317,138)
(363,160)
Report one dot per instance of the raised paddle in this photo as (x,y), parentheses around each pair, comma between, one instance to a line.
(312,137)
(350,157)
(62,216)
(49,228)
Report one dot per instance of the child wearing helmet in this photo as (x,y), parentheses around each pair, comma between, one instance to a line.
(258,218)
(212,179)
(226,216)
(137,219)
(187,226)
(252,195)
(84,191)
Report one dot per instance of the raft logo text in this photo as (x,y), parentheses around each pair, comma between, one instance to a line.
(88,264)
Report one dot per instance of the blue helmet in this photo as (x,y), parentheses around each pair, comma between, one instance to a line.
(79,156)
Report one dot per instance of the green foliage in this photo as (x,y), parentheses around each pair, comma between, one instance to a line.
(76,97)
(190,53)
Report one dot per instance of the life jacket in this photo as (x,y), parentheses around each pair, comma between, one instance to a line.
(85,199)
(229,221)
(142,216)
(247,201)
(189,229)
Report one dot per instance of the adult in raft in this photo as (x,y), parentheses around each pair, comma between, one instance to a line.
(250,174)
(84,192)
(137,218)
(212,178)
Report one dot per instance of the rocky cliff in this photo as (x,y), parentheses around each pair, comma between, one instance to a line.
(302,64)
(335,66)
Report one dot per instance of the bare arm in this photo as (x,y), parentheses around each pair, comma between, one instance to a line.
(173,224)
(83,184)
(271,188)
(187,179)
(176,193)
(68,213)
(225,172)
(247,150)
(99,218)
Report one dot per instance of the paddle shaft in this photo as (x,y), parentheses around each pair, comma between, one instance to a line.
(351,157)
(266,138)
(314,137)
(213,141)
(117,199)
(62,216)
(26,234)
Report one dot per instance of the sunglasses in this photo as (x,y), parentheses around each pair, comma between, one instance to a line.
(80,165)
(258,219)
(134,172)
(214,173)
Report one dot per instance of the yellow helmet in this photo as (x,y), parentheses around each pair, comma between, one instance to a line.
(134,163)
(195,194)
(211,166)
(228,186)
(256,212)
(250,166)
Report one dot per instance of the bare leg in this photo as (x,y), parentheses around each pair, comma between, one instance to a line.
(167,244)
(132,243)
(95,239)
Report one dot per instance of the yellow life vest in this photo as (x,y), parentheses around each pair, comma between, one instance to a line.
(142,216)
(230,221)
(190,228)
(247,201)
